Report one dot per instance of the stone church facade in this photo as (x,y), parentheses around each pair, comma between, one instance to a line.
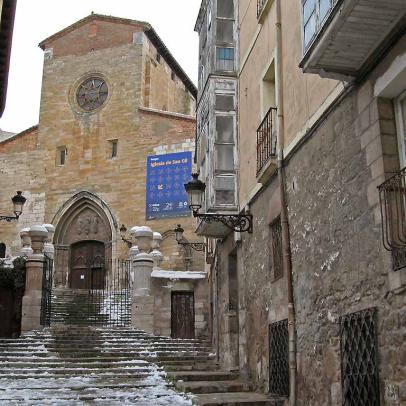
(112,94)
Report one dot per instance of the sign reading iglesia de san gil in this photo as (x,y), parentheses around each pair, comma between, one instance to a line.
(166,175)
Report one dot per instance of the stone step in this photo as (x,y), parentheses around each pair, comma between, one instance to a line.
(190,367)
(189,376)
(198,387)
(50,346)
(236,398)
(55,373)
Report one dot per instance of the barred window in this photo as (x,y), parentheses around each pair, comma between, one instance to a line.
(276,248)
(359,369)
(279,358)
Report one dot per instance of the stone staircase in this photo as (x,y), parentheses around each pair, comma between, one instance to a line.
(72,363)
(77,365)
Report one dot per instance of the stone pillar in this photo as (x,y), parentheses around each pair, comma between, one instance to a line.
(142,315)
(31,308)
(49,248)
(26,249)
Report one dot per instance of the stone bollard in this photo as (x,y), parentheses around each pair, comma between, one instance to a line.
(142,315)
(31,308)
(26,249)
(49,248)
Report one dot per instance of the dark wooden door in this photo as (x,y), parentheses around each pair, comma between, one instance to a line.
(87,265)
(183,315)
(6,312)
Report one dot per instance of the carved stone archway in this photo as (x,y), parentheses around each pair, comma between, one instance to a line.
(85,217)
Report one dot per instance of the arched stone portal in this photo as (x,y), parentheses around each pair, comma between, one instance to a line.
(83,238)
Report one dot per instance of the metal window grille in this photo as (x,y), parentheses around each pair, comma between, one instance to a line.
(279,358)
(392,199)
(398,258)
(359,369)
(260,6)
(266,139)
(276,248)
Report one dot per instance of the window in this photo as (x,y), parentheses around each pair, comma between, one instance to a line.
(268,93)
(224,190)
(359,366)
(224,144)
(158,57)
(61,153)
(276,248)
(225,59)
(279,358)
(400,113)
(173,76)
(314,16)
(224,102)
(225,8)
(113,148)
(224,31)
(2,250)
(208,19)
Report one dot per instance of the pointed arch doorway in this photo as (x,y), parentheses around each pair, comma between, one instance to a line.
(83,242)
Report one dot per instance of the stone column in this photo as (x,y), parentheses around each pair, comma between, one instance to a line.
(49,248)
(142,315)
(31,309)
(26,249)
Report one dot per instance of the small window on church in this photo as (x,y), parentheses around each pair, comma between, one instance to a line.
(113,148)
(158,57)
(2,250)
(61,153)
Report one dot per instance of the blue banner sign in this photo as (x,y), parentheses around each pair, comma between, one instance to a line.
(166,175)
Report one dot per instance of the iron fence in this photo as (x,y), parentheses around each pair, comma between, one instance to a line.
(359,369)
(47,274)
(392,196)
(109,296)
(266,139)
(279,358)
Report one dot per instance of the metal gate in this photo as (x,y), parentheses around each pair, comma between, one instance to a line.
(46,305)
(109,296)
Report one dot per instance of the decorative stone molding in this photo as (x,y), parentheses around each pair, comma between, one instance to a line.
(26,249)
(49,248)
(38,235)
(143,236)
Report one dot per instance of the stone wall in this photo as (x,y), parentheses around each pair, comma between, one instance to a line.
(339,263)
(21,168)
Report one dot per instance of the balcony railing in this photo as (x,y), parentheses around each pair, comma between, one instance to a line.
(266,139)
(392,196)
(260,6)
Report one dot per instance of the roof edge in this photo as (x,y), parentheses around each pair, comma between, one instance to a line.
(171,61)
(20,134)
(92,17)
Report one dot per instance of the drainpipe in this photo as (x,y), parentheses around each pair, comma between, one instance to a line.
(287,260)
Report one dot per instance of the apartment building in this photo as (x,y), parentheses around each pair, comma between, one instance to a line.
(309,304)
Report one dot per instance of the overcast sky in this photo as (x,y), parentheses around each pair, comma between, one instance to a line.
(36,20)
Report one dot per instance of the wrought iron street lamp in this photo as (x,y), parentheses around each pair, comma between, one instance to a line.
(197,246)
(235,222)
(123,233)
(18,204)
